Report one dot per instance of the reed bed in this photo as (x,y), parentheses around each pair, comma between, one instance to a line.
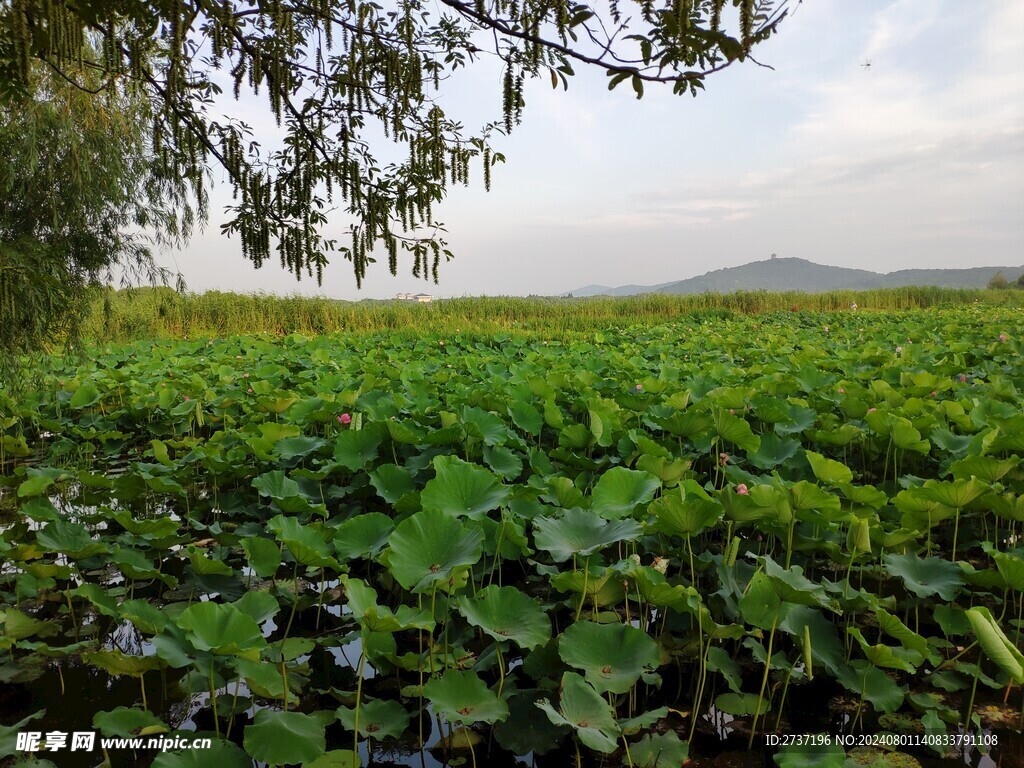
(162,313)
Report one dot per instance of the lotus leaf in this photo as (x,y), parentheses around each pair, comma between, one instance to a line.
(223,754)
(283,738)
(612,656)
(660,750)
(428,547)
(463,489)
(462,697)
(579,532)
(125,722)
(586,712)
(620,491)
(377,719)
(505,613)
(926,576)
(223,630)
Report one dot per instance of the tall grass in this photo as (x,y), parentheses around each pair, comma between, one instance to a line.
(157,313)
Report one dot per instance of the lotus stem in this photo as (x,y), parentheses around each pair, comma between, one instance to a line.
(974,690)
(764,680)
(583,594)
(213,701)
(359,696)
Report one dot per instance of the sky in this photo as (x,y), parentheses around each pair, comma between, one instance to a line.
(915,161)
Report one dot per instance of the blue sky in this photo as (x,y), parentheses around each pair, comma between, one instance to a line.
(917,161)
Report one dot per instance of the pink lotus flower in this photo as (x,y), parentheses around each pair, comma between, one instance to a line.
(245,375)
(249,390)
(842,391)
(639,387)
(187,398)
(741,489)
(732,412)
(1002,337)
(934,393)
(723,459)
(344,418)
(872,410)
(899,350)
(963,378)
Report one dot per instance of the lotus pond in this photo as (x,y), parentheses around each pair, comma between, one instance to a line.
(636,546)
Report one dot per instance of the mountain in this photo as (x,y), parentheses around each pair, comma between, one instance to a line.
(801,275)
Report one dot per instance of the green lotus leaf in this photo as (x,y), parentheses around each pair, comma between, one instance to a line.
(793,586)
(612,656)
(428,547)
(579,532)
(308,544)
(126,723)
(896,629)
(504,461)
(523,731)
(660,750)
(72,539)
(988,469)
(298,447)
(861,677)
(463,489)
(86,395)
(283,738)
(484,425)
(146,617)
(392,482)
(737,431)
(362,601)
(336,758)
(355,448)
(526,417)
(773,451)
(462,697)
(883,656)
(620,491)
(18,626)
(364,536)
(206,566)
(150,528)
(955,494)
(1011,568)
(996,645)
(39,479)
(684,514)
(828,470)
(260,605)
(263,555)
(376,719)
(505,613)
(741,704)
(761,604)
(811,756)
(117,663)
(223,754)
(276,485)
(585,711)
(222,630)
(926,576)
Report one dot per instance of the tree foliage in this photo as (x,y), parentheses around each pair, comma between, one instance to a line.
(355,88)
(81,196)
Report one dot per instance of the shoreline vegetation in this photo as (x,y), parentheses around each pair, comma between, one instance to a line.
(162,313)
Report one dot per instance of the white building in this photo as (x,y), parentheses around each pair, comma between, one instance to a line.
(422,298)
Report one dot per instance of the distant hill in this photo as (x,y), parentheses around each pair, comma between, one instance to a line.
(802,275)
